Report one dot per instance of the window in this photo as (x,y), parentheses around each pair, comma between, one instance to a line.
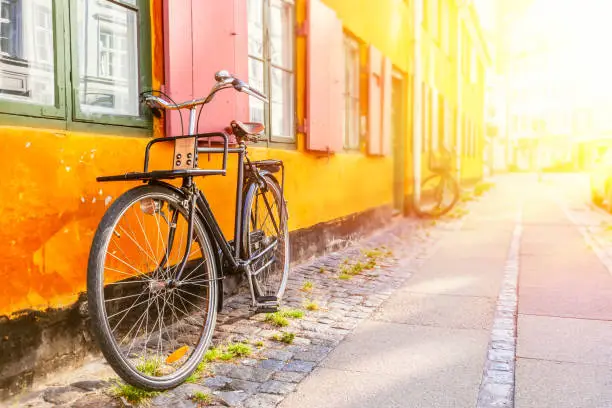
(351,112)
(93,74)
(271,65)
(9,28)
(108,79)
(43,37)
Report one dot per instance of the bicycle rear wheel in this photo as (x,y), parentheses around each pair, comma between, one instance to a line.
(265,229)
(152,328)
(439,194)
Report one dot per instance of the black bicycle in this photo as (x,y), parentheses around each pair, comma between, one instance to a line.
(440,190)
(158,258)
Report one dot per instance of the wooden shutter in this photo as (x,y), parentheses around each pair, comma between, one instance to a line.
(178,58)
(220,41)
(387,128)
(201,38)
(325,79)
(375,83)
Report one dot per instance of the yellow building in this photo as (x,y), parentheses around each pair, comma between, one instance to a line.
(70,75)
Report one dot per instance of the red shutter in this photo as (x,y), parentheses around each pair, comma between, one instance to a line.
(178,58)
(374,102)
(201,38)
(220,41)
(387,135)
(324,79)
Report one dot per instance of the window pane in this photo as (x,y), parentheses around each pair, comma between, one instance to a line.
(281,34)
(108,58)
(256,80)
(281,104)
(27,72)
(255,17)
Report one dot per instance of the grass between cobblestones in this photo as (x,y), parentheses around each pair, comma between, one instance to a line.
(280,318)
(311,305)
(370,261)
(284,337)
(202,398)
(133,395)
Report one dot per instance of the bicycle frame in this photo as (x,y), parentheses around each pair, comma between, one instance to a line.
(231,253)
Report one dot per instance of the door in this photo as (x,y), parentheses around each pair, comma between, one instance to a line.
(398,127)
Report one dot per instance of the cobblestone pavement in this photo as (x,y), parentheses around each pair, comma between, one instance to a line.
(274,368)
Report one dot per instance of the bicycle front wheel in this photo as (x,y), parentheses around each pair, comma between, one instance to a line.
(266,233)
(152,327)
(439,194)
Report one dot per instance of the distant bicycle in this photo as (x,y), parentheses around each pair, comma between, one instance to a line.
(440,190)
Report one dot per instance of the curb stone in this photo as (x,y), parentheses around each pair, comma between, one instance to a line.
(497,386)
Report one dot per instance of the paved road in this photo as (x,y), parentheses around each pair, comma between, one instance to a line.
(428,344)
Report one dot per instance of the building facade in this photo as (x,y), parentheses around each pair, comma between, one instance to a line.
(341,79)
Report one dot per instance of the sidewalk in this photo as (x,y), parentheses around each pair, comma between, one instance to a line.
(564,355)
(427,345)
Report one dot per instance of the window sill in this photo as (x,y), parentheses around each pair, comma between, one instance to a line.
(60,124)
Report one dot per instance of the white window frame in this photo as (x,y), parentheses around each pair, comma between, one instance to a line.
(352,92)
(269,67)
(16,39)
(44,32)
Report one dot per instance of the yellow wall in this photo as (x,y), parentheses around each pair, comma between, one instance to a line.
(51,203)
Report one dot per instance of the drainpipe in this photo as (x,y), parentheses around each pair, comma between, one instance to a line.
(417,125)
(461,6)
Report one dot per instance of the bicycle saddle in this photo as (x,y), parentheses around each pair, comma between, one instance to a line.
(244,129)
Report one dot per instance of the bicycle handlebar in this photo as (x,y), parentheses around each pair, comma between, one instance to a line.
(224,81)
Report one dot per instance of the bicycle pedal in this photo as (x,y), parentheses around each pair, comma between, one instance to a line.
(266,299)
(265,308)
(267,304)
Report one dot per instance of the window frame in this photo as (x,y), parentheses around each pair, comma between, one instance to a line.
(144,120)
(352,47)
(59,108)
(62,115)
(268,66)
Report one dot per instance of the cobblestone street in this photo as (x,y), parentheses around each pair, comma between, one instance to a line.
(507,302)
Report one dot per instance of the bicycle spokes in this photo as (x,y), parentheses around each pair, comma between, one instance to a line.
(156,319)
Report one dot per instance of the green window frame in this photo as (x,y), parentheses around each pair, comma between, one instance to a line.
(66,111)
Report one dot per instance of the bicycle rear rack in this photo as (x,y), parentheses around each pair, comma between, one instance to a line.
(147,175)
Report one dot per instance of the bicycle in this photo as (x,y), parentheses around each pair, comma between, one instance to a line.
(158,257)
(440,190)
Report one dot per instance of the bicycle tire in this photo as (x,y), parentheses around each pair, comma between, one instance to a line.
(449,181)
(260,286)
(110,347)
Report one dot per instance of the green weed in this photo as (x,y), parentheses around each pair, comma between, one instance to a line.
(133,395)
(284,337)
(202,398)
(307,286)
